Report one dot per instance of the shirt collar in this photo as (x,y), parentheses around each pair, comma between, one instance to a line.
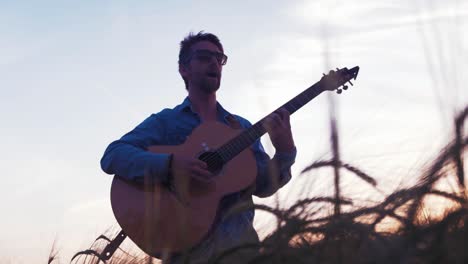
(186,106)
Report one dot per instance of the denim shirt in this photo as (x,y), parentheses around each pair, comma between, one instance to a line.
(128,158)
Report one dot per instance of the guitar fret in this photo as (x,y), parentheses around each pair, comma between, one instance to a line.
(236,145)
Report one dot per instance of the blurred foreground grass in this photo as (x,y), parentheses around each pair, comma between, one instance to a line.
(308,236)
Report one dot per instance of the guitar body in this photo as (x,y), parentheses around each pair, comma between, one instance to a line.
(156,220)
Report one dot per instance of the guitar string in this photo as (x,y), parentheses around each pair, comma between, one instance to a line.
(233,146)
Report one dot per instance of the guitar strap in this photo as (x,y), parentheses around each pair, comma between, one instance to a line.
(110,249)
(233,122)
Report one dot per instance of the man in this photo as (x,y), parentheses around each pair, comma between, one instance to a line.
(201,60)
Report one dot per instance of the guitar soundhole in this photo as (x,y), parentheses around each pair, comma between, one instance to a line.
(213,160)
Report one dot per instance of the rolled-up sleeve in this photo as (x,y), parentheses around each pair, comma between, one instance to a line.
(272,173)
(128,157)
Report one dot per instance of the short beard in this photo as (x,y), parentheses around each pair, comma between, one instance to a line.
(208,87)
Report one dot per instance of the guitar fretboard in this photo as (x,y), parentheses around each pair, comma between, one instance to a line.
(236,145)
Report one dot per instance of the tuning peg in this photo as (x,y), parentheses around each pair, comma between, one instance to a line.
(345,87)
(339,91)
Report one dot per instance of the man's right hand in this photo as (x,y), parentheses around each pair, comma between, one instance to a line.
(183,169)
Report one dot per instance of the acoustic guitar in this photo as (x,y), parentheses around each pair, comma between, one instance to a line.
(155,218)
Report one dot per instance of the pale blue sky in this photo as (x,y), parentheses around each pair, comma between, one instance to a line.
(74,76)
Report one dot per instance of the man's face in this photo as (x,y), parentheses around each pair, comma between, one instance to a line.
(203,70)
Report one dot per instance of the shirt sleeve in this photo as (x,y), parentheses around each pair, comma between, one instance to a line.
(272,173)
(128,157)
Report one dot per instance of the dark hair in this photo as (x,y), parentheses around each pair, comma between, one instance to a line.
(189,41)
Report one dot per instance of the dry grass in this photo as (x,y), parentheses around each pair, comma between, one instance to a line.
(354,236)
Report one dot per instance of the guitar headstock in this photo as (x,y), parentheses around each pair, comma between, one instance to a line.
(337,80)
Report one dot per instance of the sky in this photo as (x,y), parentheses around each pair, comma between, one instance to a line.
(76,75)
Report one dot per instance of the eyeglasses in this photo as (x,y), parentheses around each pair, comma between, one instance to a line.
(206,55)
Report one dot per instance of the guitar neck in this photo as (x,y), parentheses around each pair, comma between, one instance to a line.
(236,145)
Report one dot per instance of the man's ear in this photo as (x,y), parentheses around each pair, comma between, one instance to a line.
(183,70)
